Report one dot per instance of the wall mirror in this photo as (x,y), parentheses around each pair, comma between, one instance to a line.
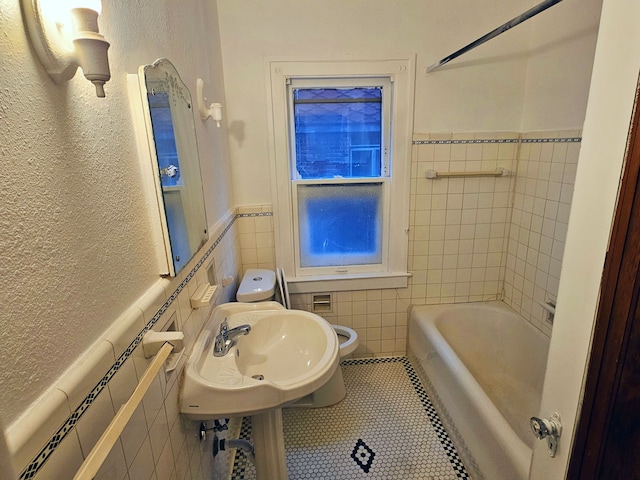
(174,164)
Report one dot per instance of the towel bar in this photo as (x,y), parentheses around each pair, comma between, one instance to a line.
(501,172)
(101,449)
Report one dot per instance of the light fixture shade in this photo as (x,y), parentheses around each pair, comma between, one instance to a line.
(95,5)
(48,42)
(60,50)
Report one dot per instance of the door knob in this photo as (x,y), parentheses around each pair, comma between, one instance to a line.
(550,428)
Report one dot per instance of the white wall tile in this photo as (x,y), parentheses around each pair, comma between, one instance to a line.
(95,421)
(114,466)
(142,466)
(91,368)
(65,462)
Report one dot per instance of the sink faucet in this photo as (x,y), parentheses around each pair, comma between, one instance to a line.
(226,338)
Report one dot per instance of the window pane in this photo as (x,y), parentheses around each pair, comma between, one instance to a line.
(340,224)
(338,132)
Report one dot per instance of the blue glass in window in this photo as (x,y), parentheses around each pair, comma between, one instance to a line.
(340,224)
(338,132)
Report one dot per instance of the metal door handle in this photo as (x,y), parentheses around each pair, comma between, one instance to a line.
(550,428)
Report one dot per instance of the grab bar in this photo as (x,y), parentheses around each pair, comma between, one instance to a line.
(501,172)
(549,307)
(89,468)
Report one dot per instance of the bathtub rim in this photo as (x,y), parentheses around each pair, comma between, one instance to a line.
(512,446)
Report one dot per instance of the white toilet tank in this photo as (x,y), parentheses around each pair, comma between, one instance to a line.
(257,285)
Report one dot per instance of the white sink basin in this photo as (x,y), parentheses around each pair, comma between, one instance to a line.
(286,355)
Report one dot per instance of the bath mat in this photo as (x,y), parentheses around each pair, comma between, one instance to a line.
(385,428)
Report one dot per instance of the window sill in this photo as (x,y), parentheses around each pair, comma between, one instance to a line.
(342,283)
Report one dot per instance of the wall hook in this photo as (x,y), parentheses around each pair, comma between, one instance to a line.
(214,110)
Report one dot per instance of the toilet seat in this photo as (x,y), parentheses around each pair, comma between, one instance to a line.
(352,339)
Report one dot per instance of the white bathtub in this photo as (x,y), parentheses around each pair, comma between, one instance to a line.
(483,366)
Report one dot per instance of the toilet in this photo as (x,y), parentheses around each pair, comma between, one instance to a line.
(259,285)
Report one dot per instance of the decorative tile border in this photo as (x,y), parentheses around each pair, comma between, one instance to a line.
(499,140)
(471,140)
(36,464)
(257,214)
(553,140)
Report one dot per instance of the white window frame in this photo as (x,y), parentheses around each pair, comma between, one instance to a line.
(393,272)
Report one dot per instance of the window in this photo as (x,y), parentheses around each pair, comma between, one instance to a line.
(341,143)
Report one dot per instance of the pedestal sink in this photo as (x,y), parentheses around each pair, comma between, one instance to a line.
(287,354)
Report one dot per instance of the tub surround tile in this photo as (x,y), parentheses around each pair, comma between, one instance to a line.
(542,203)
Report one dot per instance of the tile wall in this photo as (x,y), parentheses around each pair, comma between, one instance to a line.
(541,206)
(460,226)
(51,440)
(255,224)
(463,245)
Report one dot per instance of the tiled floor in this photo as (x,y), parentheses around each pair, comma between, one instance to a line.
(385,428)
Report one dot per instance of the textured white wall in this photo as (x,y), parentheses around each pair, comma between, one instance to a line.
(482,91)
(559,70)
(74,228)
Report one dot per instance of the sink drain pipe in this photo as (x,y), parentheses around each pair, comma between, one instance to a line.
(244,445)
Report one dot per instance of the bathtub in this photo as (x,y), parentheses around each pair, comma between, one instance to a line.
(483,366)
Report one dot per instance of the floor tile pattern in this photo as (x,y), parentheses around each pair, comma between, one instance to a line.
(385,428)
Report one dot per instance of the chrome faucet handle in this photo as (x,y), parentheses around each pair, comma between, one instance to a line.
(224,326)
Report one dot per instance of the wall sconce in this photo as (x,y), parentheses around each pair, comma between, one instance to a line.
(214,110)
(66,38)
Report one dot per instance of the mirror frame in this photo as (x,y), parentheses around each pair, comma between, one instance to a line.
(179,222)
